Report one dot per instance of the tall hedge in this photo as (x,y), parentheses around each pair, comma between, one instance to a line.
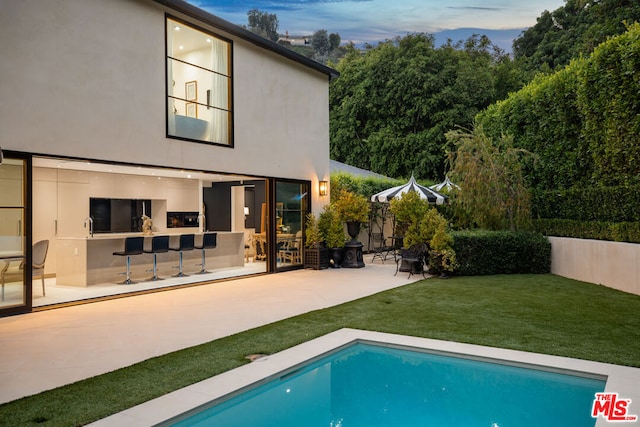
(609,101)
(583,122)
(613,204)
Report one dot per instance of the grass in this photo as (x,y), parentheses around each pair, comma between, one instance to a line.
(537,313)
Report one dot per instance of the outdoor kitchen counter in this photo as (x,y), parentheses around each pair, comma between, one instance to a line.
(86,261)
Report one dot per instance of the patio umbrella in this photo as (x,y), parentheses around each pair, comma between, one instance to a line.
(427,193)
(445,185)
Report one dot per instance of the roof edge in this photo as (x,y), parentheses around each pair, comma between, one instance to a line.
(236,30)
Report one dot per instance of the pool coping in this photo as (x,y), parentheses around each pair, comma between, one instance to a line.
(620,379)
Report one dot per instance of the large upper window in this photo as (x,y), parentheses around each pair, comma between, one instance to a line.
(198,85)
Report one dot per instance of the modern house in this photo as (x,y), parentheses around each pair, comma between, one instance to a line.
(125,121)
(294,40)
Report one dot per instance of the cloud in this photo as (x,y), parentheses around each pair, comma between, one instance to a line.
(370,21)
(474,8)
(236,6)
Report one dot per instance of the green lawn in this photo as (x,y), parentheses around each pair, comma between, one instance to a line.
(538,313)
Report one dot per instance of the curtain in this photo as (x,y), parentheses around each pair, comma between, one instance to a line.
(220,91)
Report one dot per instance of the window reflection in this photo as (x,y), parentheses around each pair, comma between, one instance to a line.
(291,208)
(12,240)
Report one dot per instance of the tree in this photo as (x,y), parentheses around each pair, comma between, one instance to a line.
(490,178)
(394,102)
(572,30)
(334,41)
(320,44)
(264,24)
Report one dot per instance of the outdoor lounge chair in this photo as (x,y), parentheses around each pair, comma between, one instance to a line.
(412,260)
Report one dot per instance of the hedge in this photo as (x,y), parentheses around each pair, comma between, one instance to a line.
(611,204)
(582,122)
(501,252)
(598,230)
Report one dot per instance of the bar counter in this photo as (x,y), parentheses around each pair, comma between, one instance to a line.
(86,261)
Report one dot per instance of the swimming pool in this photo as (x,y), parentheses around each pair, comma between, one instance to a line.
(293,363)
(372,385)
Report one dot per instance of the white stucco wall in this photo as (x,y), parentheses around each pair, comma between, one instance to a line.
(86,79)
(613,264)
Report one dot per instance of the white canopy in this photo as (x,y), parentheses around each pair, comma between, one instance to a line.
(445,185)
(427,193)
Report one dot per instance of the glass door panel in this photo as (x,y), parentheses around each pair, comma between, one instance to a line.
(292,202)
(13,269)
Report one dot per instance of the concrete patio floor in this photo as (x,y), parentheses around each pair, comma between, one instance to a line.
(48,349)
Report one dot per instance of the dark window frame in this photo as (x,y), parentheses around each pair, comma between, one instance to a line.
(230,110)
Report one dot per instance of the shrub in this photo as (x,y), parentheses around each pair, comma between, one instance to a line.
(614,204)
(331,227)
(501,252)
(312,235)
(598,230)
(350,206)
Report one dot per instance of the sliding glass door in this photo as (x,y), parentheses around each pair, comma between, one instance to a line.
(15,253)
(291,207)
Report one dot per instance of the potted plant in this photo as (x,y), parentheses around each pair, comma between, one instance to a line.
(313,237)
(332,230)
(315,252)
(353,209)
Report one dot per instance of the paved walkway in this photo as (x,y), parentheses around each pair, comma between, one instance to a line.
(43,350)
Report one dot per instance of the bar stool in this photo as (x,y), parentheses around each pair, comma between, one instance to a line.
(186,244)
(159,244)
(132,246)
(209,241)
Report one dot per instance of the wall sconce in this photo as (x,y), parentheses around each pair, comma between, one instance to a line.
(323,188)
(246,211)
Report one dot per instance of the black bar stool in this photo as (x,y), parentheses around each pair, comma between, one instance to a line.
(132,246)
(209,241)
(186,244)
(159,244)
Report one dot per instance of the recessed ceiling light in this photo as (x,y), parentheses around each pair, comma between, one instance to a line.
(208,40)
(181,47)
(176,28)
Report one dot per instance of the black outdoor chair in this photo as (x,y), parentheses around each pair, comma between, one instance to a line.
(380,249)
(412,260)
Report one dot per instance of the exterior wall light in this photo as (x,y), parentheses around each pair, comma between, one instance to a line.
(323,189)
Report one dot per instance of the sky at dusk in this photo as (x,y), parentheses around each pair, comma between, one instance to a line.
(371,21)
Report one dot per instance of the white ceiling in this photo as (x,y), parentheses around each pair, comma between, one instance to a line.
(53,163)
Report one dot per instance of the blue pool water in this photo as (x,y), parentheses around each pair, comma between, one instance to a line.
(372,386)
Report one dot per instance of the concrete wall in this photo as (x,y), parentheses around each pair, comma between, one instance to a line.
(612,264)
(86,79)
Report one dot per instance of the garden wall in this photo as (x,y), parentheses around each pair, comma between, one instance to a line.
(613,264)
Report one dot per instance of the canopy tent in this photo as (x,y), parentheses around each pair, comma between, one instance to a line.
(432,196)
(445,185)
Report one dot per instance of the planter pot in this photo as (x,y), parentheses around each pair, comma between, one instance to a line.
(353,248)
(335,257)
(316,258)
(353,228)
